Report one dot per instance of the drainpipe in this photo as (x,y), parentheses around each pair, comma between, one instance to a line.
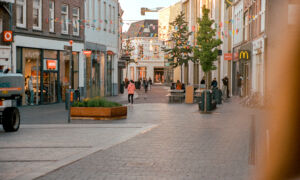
(10,28)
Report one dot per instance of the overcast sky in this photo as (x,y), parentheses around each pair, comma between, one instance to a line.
(132,9)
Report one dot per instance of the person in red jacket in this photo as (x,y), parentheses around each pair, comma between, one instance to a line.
(131,89)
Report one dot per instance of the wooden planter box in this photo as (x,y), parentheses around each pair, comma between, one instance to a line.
(99,113)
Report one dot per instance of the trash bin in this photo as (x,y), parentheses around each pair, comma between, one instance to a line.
(217,95)
(210,103)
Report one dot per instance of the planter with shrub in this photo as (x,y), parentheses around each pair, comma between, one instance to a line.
(98,109)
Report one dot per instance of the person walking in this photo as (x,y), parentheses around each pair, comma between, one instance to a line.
(145,85)
(240,84)
(30,87)
(225,81)
(150,83)
(131,89)
(214,83)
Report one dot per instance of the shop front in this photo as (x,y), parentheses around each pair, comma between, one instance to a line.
(159,75)
(242,66)
(46,74)
(95,70)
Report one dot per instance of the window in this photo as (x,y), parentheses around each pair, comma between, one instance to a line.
(105,20)
(93,13)
(99,13)
(1,25)
(64,17)
(88,11)
(75,21)
(110,23)
(51,16)
(21,13)
(37,14)
(113,20)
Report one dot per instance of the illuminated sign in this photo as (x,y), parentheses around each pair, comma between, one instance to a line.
(51,64)
(87,53)
(244,55)
(7,35)
(227,56)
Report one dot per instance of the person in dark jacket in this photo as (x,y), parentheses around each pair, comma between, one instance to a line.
(225,81)
(214,83)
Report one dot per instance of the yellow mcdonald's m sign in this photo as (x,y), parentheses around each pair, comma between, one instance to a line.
(244,55)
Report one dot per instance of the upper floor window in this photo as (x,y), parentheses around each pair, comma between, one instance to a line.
(37,14)
(64,17)
(105,20)
(51,16)
(21,13)
(110,21)
(88,11)
(76,21)
(93,13)
(114,20)
(99,13)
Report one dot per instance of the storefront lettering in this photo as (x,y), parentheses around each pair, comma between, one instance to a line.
(244,55)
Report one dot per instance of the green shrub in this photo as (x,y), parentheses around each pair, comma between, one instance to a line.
(95,102)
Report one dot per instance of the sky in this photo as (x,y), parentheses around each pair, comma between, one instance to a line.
(132,9)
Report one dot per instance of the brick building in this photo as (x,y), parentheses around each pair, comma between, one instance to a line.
(5,46)
(42,28)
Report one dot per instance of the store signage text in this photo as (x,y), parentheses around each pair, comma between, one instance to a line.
(51,64)
(87,53)
(227,56)
(244,55)
(7,36)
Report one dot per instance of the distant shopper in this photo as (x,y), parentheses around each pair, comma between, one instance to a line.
(202,83)
(214,83)
(150,83)
(145,84)
(131,89)
(30,87)
(240,85)
(126,82)
(178,85)
(225,81)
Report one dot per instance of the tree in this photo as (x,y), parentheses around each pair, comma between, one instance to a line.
(128,48)
(181,51)
(206,50)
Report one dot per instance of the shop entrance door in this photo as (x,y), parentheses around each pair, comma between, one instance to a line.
(50,88)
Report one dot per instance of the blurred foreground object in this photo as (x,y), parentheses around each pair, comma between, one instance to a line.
(283,78)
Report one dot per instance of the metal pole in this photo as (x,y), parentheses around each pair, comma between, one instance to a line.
(70,84)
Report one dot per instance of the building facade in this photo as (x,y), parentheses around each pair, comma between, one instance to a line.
(42,29)
(147,53)
(102,38)
(5,43)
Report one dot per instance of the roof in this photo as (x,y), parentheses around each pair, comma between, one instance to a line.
(144,28)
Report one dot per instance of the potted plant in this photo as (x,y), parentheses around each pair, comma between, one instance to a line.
(98,109)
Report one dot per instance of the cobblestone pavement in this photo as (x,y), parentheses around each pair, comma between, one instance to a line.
(184,145)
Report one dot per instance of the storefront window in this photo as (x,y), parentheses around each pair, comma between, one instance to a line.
(109,75)
(64,72)
(50,77)
(32,73)
(142,73)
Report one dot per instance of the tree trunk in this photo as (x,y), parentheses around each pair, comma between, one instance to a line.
(205,93)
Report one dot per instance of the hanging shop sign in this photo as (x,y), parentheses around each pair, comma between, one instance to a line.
(244,55)
(228,56)
(87,53)
(51,65)
(7,36)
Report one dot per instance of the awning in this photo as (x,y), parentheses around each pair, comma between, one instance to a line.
(8,1)
(110,52)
